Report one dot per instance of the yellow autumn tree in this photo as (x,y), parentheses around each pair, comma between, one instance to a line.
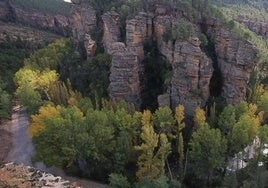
(38,121)
(179,116)
(150,163)
(199,117)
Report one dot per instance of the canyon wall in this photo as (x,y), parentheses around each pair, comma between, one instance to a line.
(236,59)
(126,57)
(192,69)
(78,24)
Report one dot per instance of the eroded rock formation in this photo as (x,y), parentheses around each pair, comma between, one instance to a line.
(83,19)
(56,23)
(236,60)
(111,30)
(78,24)
(126,58)
(192,69)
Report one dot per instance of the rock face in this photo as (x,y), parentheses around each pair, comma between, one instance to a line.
(192,69)
(57,23)
(236,60)
(124,77)
(4,10)
(261,28)
(90,45)
(79,24)
(111,30)
(126,58)
(83,19)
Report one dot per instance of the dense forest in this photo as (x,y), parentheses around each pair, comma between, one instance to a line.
(75,126)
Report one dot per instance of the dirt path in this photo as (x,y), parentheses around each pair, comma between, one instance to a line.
(16,142)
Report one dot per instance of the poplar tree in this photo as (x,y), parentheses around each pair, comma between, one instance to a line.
(179,115)
(154,150)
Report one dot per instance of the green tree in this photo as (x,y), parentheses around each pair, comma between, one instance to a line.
(59,143)
(227,119)
(100,143)
(244,131)
(118,181)
(5,103)
(207,153)
(29,98)
(163,120)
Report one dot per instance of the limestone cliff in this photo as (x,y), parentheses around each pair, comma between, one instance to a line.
(111,30)
(56,23)
(126,58)
(79,24)
(236,60)
(192,69)
(83,19)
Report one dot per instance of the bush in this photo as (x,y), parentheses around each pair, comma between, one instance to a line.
(118,181)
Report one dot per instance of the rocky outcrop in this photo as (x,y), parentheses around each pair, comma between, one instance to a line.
(261,28)
(124,77)
(111,30)
(14,175)
(79,24)
(126,58)
(83,19)
(56,23)
(90,45)
(192,69)
(236,60)
(138,30)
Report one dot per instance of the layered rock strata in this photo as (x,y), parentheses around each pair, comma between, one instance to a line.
(79,24)
(236,60)
(126,58)
(192,69)
(57,23)
(83,19)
